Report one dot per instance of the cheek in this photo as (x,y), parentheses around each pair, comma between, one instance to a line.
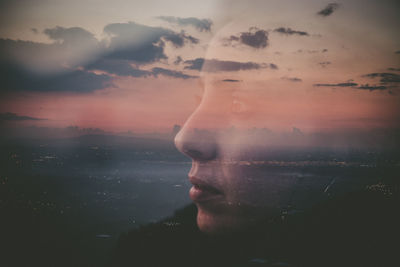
(258,187)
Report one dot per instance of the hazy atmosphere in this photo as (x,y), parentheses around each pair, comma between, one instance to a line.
(134,65)
(117,116)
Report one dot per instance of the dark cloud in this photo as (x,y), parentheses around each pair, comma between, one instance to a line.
(347,84)
(15,78)
(124,68)
(71,36)
(311,51)
(34,30)
(354,85)
(385,77)
(178,39)
(31,66)
(118,67)
(195,64)
(18,58)
(76,81)
(199,24)
(178,60)
(328,10)
(129,41)
(214,65)
(292,79)
(8,116)
(394,69)
(273,66)
(231,80)
(324,63)
(289,31)
(171,73)
(255,38)
(39,56)
(397,52)
(372,87)
(140,43)
(11,48)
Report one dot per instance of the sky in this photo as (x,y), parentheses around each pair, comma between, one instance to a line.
(143,66)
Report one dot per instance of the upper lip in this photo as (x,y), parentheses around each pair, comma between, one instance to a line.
(197,182)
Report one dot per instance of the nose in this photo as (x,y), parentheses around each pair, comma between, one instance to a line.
(198,144)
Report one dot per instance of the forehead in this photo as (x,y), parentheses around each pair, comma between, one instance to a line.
(312,75)
(251,66)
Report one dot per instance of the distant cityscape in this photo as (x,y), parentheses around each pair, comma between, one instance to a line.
(92,187)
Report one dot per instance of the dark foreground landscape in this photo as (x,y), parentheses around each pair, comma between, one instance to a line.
(64,202)
(102,200)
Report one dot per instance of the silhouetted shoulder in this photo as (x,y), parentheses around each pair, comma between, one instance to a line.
(356,229)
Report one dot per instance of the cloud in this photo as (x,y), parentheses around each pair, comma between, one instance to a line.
(71,36)
(178,39)
(385,77)
(76,81)
(117,66)
(353,85)
(292,79)
(255,38)
(328,10)
(32,66)
(15,78)
(178,60)
(347,84)
(231,80)
(77,47)
(393,69)
(171,73)
(140,43)
(20,75)
(49,58)
(372,87)
(324,63)
(214,65)
(124,68)
(311,51)
(199,24)
(273,66)
(195,64)
(397,52)
(289,31)
(8,116)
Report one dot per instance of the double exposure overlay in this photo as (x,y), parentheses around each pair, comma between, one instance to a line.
(246,119)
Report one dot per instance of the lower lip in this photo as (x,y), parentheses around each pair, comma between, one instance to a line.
(199,195)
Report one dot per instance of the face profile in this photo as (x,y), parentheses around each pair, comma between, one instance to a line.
(263,141)
(234,185)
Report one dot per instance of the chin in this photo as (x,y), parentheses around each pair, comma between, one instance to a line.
(220,223)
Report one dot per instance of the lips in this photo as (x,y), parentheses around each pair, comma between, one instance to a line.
(202,191)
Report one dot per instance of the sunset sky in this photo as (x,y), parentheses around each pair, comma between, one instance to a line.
(142,66)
